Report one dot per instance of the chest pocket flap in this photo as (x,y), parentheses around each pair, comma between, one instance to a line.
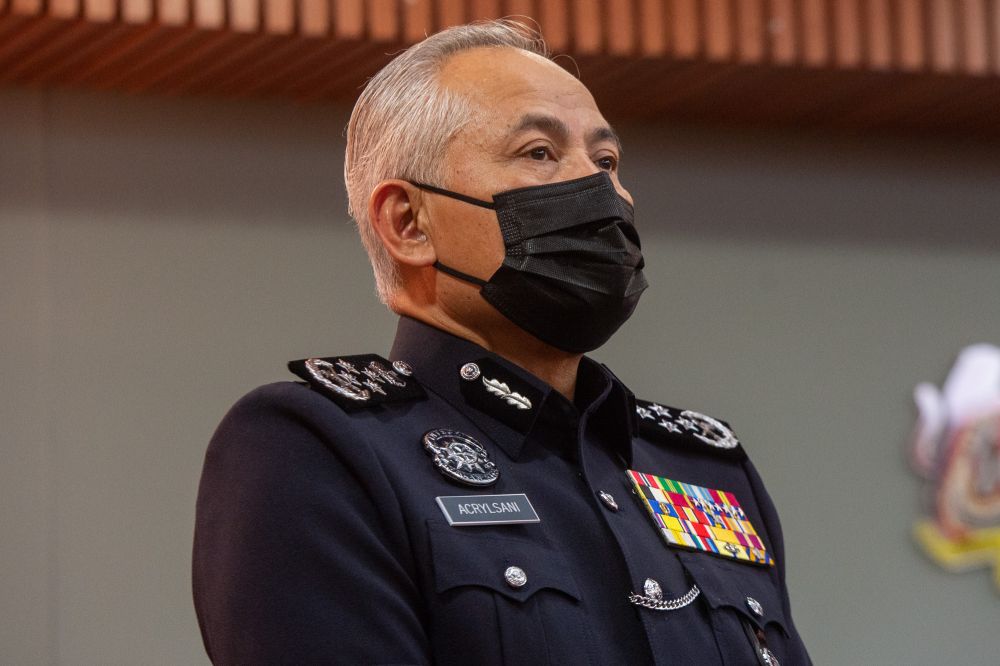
(750,591)
(464,556)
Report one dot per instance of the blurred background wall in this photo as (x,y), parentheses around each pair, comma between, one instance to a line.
(160,256)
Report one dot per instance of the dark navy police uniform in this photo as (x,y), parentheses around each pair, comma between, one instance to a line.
(320,539)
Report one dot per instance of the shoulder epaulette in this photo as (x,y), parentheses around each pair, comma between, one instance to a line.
(685,427)
(356,382)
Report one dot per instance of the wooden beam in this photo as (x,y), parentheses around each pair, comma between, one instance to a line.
(66,9)
(100,11)
(994,33)
(449,13)
(686,35)
(910,35)
(878,35)
(782,31)
(314,18)
(176,12)
(652,33)
(944,42)
(620,22)
(554,19)
(751,27)
(244,15)
(484,9)
(349,19)
(521,10)
(587,33)
(383,20)
(974,34)
(137,12)
(847,33)
(719,21)
(211,14)
(279,17)
(417,20)
(816,20)
(26,7)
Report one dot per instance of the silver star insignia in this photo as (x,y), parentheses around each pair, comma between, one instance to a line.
(659,410)
(669,425)
(686,424)
(464,457)
(645,413)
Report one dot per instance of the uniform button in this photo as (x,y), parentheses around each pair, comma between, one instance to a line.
(608,499)
(755,606)
(402,367)
(469,372)
(652,589)
(515,577)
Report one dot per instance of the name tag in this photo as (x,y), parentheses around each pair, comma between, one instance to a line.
(487,509)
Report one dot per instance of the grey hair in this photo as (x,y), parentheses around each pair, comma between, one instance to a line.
(404,119)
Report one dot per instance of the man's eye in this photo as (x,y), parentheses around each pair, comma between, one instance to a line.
(540,153)
(607,163)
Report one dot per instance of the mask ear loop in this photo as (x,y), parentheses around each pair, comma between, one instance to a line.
(459,274)
(454,195)
(469,200)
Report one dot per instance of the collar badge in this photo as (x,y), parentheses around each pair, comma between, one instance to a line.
(470,372)
(499,391)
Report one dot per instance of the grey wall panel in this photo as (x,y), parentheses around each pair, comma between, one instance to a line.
(27,547)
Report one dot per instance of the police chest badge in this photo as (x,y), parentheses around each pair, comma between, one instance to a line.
(697,518)
(460,458)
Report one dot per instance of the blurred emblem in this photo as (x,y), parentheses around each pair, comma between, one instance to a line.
(956,448)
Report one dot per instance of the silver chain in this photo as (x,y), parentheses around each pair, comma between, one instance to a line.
(665,604)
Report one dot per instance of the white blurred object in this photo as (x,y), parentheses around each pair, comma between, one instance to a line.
(971,390)
(956,446)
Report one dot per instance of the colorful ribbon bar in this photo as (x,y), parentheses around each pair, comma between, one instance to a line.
(700,518)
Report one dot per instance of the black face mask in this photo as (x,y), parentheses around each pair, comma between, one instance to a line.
(572,272)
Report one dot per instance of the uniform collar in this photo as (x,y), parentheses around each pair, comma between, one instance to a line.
(505,401)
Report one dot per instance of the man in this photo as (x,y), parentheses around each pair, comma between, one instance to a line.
(487,494)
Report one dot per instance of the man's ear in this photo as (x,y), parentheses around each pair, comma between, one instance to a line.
(393,211)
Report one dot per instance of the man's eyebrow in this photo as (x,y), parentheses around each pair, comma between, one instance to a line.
(605,133)
(557,128)
(543,123)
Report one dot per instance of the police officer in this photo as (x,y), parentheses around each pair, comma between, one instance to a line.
(486,494)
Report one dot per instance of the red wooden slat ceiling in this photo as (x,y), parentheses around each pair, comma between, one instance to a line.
(860,63)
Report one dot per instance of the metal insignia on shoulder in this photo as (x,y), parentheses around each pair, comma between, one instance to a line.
(658,420)
(709,430)
(354,382)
